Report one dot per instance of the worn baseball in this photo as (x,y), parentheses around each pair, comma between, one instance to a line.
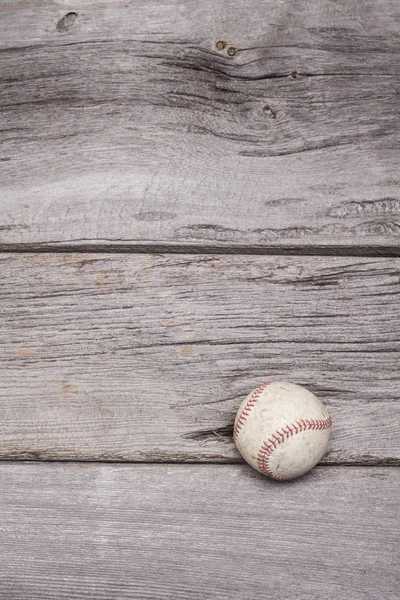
(282,430)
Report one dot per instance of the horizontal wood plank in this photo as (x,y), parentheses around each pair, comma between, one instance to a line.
(213,124)
(147,357)
(178,532)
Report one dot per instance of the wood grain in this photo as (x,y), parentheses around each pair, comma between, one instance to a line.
(200,125)
(182,531)
(147,357)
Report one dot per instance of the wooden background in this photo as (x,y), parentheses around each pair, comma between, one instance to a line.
(195,197)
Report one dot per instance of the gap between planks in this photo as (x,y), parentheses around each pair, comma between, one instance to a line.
(367,251)
(376,464)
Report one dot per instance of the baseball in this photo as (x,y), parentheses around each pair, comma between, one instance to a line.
(282,430)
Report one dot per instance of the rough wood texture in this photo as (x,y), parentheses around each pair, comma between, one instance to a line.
(147,357)
(180,532)
(200,124)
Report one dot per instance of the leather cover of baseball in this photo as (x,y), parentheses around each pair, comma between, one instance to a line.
(282,430)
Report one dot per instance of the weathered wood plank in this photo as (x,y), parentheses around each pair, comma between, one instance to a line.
(179,532)
(147,357)
(218,124)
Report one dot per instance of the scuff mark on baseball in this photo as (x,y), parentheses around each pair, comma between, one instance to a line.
(282,430)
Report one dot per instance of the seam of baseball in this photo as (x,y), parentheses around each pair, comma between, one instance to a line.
(268,447)
(247,409)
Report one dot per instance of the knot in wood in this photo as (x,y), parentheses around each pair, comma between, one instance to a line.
(67,22)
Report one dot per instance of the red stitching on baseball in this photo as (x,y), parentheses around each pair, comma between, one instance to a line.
(247,409)
(266,450)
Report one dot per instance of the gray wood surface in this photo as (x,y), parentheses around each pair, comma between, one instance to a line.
(147,357)
(200,124)
(197,532)
(199,127)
